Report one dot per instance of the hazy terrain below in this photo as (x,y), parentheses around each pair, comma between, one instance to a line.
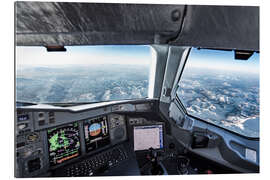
(81,83)
(230,100)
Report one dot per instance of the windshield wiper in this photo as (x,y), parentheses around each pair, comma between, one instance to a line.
(24,103)
(61,104)
(67,104)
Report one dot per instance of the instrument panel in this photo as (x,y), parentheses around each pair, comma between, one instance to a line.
(51,138)
(64,143)
(84,140)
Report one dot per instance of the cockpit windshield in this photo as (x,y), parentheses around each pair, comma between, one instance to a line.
(217,88)
(84,73)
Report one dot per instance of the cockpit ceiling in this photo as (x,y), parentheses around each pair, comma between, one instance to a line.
(60,23)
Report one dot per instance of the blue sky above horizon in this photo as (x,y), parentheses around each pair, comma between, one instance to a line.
(131,55)
(99,54)
(222,60)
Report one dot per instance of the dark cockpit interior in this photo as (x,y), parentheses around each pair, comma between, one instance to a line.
(154,135)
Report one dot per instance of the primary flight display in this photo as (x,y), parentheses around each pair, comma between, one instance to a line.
(96,133)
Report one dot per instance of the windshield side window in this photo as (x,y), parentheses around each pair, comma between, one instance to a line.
(221,90)
(83,73)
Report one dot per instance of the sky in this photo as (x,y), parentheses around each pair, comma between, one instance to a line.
(132,55)
(222,60)
(112,54)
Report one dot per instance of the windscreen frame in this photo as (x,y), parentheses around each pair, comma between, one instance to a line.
(151,66)
(176,96)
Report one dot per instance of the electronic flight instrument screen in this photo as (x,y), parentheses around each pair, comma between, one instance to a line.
(96,133)
(148,136)
(64,143)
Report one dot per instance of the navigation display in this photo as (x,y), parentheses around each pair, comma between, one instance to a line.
(96,133)
(64,143)
(148,136)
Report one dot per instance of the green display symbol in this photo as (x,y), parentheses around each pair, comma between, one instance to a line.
(59,140)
